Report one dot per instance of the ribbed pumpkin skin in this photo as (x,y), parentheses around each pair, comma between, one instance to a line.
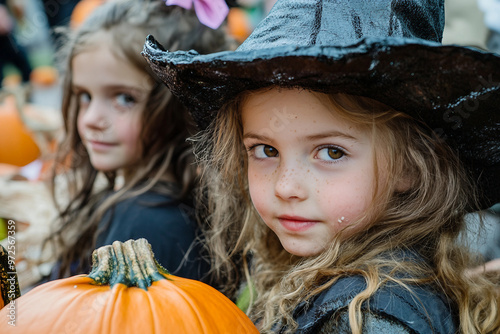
(172,305)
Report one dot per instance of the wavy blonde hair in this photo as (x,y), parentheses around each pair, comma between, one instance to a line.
(426,217)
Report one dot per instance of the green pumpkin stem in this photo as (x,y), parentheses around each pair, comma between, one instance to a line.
(9,284)
(131,263)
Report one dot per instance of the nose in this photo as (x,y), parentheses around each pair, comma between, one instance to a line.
(291,183)
(93,116)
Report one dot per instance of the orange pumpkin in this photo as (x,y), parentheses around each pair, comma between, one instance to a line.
(238,24)
(82,10)
(17,145)
(127,292)
(44,75)
(9,286)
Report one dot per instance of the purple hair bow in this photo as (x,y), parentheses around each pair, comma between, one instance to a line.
(210,12)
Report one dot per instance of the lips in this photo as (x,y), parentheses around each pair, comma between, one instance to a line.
(99,145)
(296,223)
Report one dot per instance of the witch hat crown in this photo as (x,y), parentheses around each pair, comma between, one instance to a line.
(388,50)
(342,23)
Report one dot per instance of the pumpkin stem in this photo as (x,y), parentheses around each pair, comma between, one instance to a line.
(131,263)
(9,284)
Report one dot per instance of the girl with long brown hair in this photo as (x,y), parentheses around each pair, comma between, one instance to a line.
(128,167)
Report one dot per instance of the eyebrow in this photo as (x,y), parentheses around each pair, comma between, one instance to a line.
(113,87)
(330,134)
(254,135)
(318,136)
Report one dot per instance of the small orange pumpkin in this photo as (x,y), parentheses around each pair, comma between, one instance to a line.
(238,24)
(18,146)
(44,75)
(82,10)
(127,292)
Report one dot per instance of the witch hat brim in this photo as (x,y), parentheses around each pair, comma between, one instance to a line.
(454,91)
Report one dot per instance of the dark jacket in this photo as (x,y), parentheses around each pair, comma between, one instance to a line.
(392,309)
(169,227)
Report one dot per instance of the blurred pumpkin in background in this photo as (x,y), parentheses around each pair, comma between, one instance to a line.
(17,146)
(44,75)
(82,10)
(238,24)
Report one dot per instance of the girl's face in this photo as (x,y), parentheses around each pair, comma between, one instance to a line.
(112,95)
(310,172)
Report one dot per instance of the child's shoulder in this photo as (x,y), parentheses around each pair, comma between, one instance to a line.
(421,310)
(154,208)
(155,199)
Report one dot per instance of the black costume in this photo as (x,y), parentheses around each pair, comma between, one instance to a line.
(168,226)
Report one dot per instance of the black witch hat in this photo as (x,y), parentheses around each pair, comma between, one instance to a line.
(388,50)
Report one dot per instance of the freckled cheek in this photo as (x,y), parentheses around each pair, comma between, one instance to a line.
(261,191)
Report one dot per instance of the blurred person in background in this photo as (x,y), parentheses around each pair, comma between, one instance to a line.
(59,11)
(464,24)
(11,51)
(491,9)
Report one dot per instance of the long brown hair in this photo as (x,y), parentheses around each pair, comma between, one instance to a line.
(426,217)
(165,123)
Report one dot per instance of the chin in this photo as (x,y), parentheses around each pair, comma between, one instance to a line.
(103,167)
(302,251)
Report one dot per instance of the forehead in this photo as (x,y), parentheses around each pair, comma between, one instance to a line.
(99,63)
(105,40)
(295,115)
(299,113)
(284,105)
(92,40)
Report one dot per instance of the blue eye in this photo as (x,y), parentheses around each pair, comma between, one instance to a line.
(125,100)
(330,153)
(264,151)
(83,99)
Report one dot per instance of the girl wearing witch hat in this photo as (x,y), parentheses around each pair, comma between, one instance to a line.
(342,146)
